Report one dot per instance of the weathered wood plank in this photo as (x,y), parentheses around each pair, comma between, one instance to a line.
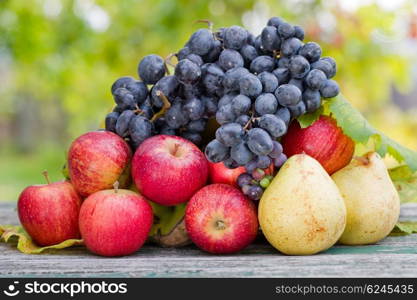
(392,257)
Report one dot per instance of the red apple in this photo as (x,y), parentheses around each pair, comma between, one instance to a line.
(169,169)
(96,160)
(219,173)
(115,222)
(220,219)
(49,212)
(323,140)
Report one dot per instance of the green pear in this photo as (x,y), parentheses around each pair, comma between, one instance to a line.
(372,202)
(302,212)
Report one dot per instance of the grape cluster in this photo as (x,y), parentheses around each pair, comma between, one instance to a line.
(253,86)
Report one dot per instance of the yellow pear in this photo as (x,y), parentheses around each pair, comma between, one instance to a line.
(372,202)
(302,212)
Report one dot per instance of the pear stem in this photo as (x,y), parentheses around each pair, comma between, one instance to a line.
(45,174)
(164,108)
(116,187)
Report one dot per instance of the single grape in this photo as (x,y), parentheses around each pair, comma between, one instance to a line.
(269,82)
(232,77)
(213,54)
(266,104)
(275,126)
(264,183)
(263,162)
(151,68)
(146,109)
(259,141)
(241,104)
(299,66)
(212,79)
(291,46)
(210,105)
(110,122)
(251,166)
(283,62)
(298,83)
(187,72)
(242,120)
(332,63)
(276,151)
(230,59)
(250,85)
(122,82)
(270,38)
(140,129)
(241,154)
(235,37)
(311,51)
(275,21)
(282,74)
(216,151)
(299,32)
(288,94)
(284,114)
(183,53)
(175,117)
(278,162)
(324,65)
(201,42)
(225,114)
(226,99)
(229,134)
(261,64)
(249,53)
(297,110)
(139,90)
(168,86)
(254,192)
(194,109)
(122,124)
(124,99)
(329,89)
(286,30)
(311,99)
(315,79)
(244,179)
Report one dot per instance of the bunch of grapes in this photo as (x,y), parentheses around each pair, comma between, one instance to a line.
(253,86)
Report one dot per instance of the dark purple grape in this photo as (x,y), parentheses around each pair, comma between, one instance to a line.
(225,114)
(332,62)
(110,122)
(235,37)
(250,85)
(140,129)
(291,46)
(216,151)
(168,86)
(284,114)
(249,53)
(175,116)
(139,90)
(276,151)
(288,94)
(122,124)
(229,134)
(194,109)
(282,74)
(259,141)
(241,104)
(275,21)
(274,125)
(187,72)
(244,179)
(124,99)
(183,53)
(278,162)
(241,154)
(298,83)
(269,82)
(297,110)
(299,66)
(195,59)
(266,104)
(146,109)
(311,99)
(210,105)
(230,59)
(214,53)
(212,79)
(226,99)
(299,32)
(230,163)
(232,77)
(261,64)
(270,38)
(255,192)
(201,42)
(315,79)
(122,82)
(197,125)
(286,30)
(311,51)
(251,166)
(151,68)
(329,89)
(242,120)
(263,162)
(283,62)
(325,65)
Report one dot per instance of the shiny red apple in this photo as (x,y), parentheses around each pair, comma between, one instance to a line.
(96,160)
(323,140)
(220,219)
(49,212)
(169,169)
(115,222)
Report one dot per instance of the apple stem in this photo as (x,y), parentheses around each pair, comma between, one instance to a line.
(208,22)
(164,108)
(116,187)
(45,174)
(220,225)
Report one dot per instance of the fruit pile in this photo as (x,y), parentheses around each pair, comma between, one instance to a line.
(252,85)
(201,156)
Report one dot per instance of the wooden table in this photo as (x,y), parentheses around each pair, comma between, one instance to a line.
(392,257)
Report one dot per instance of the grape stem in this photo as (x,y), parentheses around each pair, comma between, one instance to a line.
(208,22)
(164,108)
(249,122)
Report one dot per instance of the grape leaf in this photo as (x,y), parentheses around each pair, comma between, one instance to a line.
(404,228)
(308,119)
(11,233)
(405,182)
(358,129)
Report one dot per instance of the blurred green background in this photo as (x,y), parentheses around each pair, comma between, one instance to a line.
(58,59)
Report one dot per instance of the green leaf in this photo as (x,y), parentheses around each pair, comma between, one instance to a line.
(357,127)
(16,234)
(405,228)
(405,182)
(308,119)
